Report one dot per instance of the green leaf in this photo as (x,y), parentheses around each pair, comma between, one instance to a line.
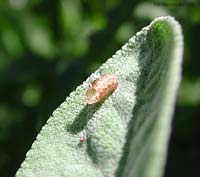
(128,133)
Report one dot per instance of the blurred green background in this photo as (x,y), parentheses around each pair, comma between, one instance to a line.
(48,47)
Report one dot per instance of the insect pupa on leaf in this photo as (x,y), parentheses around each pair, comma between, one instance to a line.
(101,87)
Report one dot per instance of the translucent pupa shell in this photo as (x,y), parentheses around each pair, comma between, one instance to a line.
(101,87)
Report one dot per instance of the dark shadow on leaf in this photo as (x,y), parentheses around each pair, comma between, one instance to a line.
(83,117)
(91,152)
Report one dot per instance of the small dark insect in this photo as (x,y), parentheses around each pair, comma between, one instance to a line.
(101,88)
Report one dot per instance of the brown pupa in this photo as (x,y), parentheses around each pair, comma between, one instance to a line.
(100,88)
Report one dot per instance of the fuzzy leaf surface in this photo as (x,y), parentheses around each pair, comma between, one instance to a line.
(128,132)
